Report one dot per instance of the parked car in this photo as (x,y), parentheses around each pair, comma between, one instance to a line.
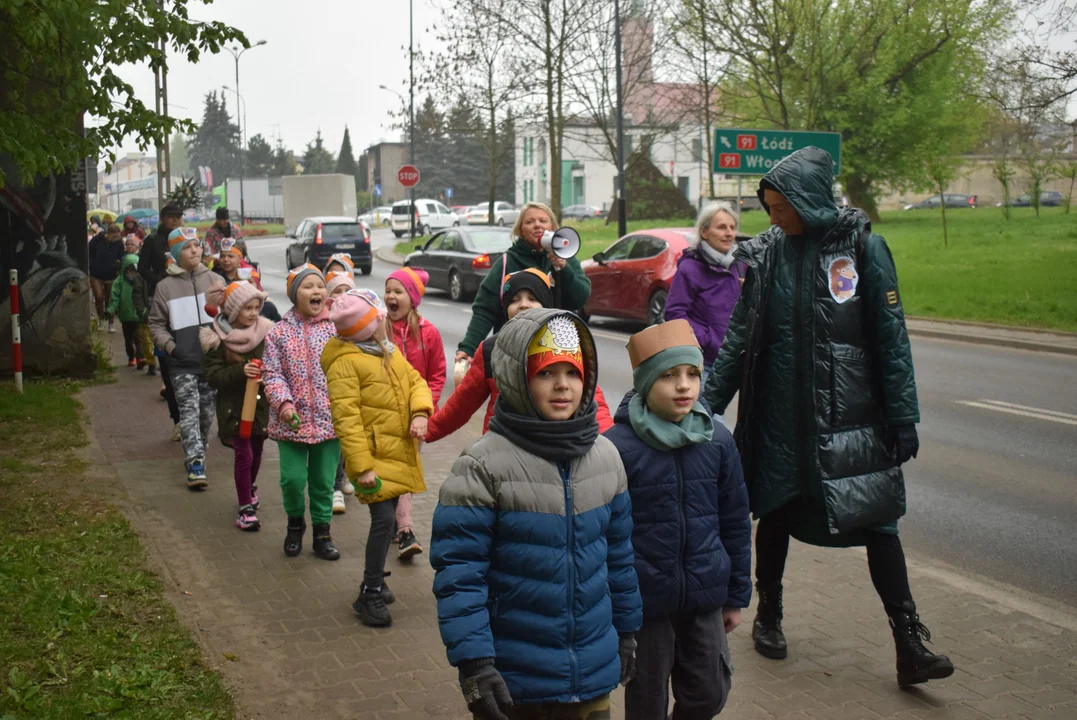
(316,238)
(379,216)
(430,215)
(461,212)
(1048,198)
(952,201)
(581,212)
(459,258)
(630,279)
(505,214)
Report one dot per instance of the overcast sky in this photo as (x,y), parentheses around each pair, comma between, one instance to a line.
(320,68)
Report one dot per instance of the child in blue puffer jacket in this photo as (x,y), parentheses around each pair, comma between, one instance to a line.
(692,534)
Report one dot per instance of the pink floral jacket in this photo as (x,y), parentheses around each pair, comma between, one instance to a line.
(292,373)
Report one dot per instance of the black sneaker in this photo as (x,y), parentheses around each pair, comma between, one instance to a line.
(370,607)
(409,546)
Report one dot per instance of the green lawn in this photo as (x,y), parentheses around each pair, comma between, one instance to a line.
(86,630)
(1022,272)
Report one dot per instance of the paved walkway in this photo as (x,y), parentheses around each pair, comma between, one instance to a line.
(283,632)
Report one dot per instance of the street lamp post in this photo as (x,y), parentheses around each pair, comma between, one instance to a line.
(411,152)
(622,210)
(237,54)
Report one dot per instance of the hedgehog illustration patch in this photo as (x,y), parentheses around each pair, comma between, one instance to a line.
(843,279)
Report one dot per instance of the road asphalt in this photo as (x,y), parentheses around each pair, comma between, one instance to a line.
(992,491)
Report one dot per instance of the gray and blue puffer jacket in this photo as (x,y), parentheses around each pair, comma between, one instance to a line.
(691,531)
(533,557)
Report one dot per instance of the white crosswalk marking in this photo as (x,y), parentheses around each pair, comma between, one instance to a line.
(1022,410)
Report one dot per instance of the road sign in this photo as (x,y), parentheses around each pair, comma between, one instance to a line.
(377,190)
(448,193)
(408,175)
(754,152)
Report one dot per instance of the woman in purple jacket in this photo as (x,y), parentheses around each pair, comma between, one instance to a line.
(708,280)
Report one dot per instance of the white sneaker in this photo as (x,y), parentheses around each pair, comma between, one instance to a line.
(338,502)
(348,488)
(112,326)
(175,433)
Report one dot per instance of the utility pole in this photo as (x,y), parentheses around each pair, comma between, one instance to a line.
(622,209)
(411,104)
(241,119)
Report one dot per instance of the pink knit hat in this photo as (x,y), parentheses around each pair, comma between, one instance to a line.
(414,281)
(232,298)
(357,314)
(335,279)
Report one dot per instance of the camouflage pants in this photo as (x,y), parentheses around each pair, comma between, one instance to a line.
(197,405)
(595,709)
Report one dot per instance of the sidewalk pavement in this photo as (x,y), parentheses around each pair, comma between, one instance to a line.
(283,633)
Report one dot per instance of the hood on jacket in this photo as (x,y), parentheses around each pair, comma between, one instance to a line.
(175,269)
(509,359)
(127,261)
(335,349)
(806,179)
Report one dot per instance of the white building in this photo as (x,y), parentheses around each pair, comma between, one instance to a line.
(132,182)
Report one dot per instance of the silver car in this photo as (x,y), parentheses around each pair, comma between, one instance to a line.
(504,214)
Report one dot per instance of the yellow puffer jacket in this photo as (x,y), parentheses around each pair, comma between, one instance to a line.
(372,411)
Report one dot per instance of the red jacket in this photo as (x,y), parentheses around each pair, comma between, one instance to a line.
(472,392)
(425,353)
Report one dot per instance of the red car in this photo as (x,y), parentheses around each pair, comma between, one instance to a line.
(630,279)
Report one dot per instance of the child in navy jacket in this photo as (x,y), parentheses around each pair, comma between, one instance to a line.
(691,528)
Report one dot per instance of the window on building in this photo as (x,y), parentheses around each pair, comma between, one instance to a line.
(684,183)
(697,150)
(629,144)
(647,144)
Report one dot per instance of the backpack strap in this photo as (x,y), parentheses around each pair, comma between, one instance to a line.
(488,356)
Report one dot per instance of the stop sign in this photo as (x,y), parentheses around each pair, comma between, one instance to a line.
(408,175)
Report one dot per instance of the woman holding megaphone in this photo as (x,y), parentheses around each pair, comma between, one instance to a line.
(537,244)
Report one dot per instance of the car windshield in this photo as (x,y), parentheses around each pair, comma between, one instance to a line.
(341,231)
(488,241)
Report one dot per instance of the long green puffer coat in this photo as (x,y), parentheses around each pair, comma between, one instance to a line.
(817,347)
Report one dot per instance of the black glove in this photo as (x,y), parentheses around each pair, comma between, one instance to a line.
(485,692)
(626,648)
(904,443)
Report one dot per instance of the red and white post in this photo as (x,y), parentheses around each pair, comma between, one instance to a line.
(16,332)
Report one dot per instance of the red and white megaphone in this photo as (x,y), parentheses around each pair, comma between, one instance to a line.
(564,243)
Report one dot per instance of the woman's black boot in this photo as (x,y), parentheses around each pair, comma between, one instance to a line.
(293,541)
(323,543)
(915,663)
(767,628)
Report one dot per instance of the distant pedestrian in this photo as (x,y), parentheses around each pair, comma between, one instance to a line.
(231,266)
(685,480)
(177,313)
(131,305)
(152,257)
(421,344)
(300,419)
(380,410)
(222,229)
(526,252)
(106,252)
(522,290)
(232,344)
(130,227)
(827,413)
(708,280)
(538,601)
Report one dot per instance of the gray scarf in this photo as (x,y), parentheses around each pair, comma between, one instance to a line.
(714,257)
(373,347)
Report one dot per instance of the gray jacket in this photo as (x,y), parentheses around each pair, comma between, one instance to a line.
(178,311)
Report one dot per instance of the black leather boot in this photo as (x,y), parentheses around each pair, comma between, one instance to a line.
(767,628)
(323,543)
(915,663)
(293,541)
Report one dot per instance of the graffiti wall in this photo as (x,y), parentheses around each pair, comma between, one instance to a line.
(43,236)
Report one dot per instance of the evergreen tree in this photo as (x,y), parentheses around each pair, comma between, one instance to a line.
(177,152)
(284,162)
(317,160)
(465,154)
(361,176)
(431,155)
(506,174)
(346,158)
(216,144)
(260,157)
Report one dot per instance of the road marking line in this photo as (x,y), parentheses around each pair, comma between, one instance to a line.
(1023,413)
(1031,409)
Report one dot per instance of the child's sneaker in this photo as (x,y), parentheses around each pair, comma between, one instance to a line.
(140,363)
(409,546)
(176,433)
(112,326)
(132,362)
(196,474)
(152,372)
(348,488)
(255,502)
(338,503)
(247,520)
(370,607)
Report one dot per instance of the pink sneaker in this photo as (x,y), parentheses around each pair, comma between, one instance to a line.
(247,520)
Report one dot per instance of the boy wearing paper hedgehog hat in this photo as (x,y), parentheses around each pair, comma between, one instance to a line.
(177,313)
(375,393)
(532,537)
(685,479)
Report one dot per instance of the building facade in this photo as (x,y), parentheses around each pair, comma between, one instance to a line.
(383,161)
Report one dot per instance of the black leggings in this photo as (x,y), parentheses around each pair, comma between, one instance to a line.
(886,559)
(380,537)
(130,340)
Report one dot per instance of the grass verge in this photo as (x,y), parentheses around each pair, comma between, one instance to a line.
(86,631)
(1018,272)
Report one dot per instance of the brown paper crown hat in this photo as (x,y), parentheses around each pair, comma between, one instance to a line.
(648,343)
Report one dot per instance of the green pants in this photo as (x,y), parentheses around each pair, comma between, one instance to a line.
(310,467)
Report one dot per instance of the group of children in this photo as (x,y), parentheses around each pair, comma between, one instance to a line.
(573,550)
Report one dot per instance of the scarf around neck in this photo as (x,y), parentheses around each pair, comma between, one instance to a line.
(557,440)
(243,340)
(714,257)
(373,347)
(696,427)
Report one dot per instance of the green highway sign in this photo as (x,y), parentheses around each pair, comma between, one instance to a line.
(754,152)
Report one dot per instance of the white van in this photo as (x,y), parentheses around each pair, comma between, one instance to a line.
(430,215)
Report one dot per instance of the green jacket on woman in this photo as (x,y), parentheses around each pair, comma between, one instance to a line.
(817,347)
